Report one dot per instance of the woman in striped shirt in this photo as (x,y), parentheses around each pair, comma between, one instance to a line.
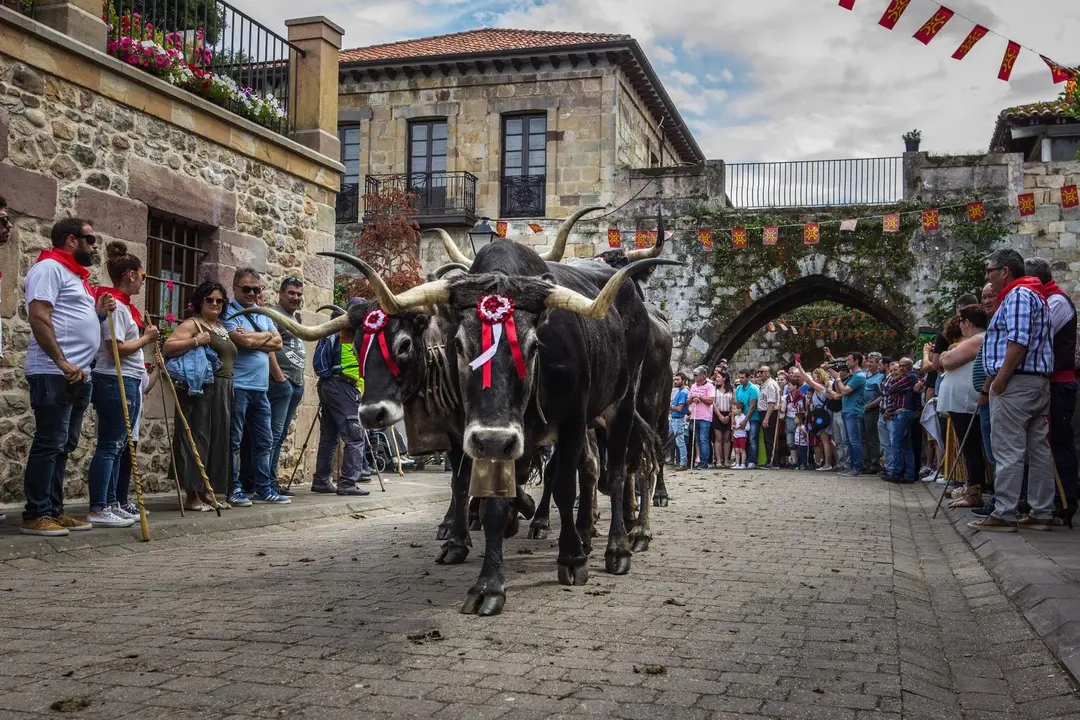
(722,422)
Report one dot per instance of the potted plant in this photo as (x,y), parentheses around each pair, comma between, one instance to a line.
(912,140)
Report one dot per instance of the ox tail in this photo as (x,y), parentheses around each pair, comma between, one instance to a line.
(646,455)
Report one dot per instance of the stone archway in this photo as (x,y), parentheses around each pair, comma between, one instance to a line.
(771,303)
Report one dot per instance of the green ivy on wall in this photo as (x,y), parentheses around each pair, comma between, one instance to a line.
(964,270)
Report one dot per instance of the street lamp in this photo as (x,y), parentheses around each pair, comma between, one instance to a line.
(481,235)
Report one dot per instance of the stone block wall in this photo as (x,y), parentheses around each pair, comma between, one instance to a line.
(100,141)
(1052,231)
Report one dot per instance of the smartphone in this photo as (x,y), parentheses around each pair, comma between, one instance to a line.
(798,359)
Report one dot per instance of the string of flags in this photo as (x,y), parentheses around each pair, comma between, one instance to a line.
(827,329)
(943,15)
(890,223)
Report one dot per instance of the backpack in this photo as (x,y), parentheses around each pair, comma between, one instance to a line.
(327,358)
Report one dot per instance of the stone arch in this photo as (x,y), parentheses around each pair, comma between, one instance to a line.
(771,299)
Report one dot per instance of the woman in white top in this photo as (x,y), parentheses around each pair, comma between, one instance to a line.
(128,277)
(722,421)
(958,396)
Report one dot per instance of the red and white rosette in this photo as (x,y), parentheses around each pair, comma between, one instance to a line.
(496,312)
(374,323)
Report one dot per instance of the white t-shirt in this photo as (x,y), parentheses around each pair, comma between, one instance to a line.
(137,420)
(133,365)
(801,436)
(74,318)
(735,423)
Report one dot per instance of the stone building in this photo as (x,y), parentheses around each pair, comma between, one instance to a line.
(190,186)
(522,126)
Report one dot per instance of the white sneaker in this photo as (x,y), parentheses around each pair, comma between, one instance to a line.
(751,466)
(824,468)
(121,512)
(740,467)
(106,518)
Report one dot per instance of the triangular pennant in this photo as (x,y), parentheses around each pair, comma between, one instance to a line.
(614,238)
(770,236)
(705,238)
(811,233)
(1026,203)
(1070,198)
(1058,73)
(933,26)
(891,223)
(931,220)
(976,211)
(977,34)
(1012,51)
(893,12)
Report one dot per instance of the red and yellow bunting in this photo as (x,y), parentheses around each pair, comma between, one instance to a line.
(614,238)
(933,26)
(738,238)
(976,34)
(641,239)
(893,12)
(1070,197)
(1026,203)
(847,4)
(891,223)
(536,228)
(1009,61)
(704,237)
(811,234)
(500,228)
(976,212)
(770,236)
(1057,73)
(651,238)
(931,220)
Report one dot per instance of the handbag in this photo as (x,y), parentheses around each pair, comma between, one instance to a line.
(820,419)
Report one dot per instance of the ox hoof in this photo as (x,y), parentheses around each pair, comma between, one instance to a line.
(442,532)
(570,575)
(538,531)
(660,501)
(477,603)
(526,505)
(640,544)
(512,526)
(586,546)
(452,554)
(617,564)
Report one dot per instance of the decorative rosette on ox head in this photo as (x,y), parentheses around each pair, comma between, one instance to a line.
(374,323)
(495,312)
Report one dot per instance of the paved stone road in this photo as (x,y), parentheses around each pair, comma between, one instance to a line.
(774,595)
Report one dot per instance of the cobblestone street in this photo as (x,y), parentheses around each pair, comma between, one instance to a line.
(765,594)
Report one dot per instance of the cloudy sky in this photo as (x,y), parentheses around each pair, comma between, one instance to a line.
(777,79)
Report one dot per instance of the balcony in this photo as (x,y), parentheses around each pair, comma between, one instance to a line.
(438,198)
(523,196)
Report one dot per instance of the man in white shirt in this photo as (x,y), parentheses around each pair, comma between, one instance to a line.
(65,322)
(770,400)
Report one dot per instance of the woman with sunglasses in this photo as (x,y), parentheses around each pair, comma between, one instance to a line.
(132,335)
(209,412)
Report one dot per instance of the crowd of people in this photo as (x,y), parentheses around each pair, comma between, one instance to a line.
(993,395)
(239,382)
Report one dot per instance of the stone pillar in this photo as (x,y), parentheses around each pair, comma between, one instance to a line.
(316,87)
(78,19)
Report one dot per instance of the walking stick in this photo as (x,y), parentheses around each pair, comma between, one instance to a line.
(775,438)
(397,454)
(143,524)
(693,440)
(956,460)
(172,453)
(190,437)
(375,465)
(304,448)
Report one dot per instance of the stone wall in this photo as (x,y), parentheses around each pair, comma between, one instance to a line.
(637,135)
(1052,231)
(106,142)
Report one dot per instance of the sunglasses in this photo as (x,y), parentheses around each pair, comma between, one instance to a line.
(91,240)
(4,221)
(249,289)
(214,301)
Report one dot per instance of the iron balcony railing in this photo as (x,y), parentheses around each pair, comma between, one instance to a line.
(523,196)
(348,203)
(434,194)
(809,183)
(213,50)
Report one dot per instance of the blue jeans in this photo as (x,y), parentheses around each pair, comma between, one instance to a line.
(112,436)
(58,415)
(853,425)
(753,427)
(884,431)
(703,435)
(251,410)
(677,426)
(903,453)
(284,397)
(984,422)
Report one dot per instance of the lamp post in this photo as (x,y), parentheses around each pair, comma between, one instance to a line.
(481,235)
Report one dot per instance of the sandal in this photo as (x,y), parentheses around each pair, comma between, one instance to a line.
(968,501)
(199,508)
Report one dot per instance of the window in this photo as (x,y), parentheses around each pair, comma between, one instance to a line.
(427,164)
(175,249)
(524,165)
(349,135)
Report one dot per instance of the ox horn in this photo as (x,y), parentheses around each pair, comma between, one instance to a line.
(562,298)
(455,253)
(449,267)
(563,235)
(304,332)
(427,294)
(654,251)
(332,307)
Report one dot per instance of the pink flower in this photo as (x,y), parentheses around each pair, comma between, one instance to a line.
(170,318)
(113,45)
(132,59)
(169,285)
(160,61)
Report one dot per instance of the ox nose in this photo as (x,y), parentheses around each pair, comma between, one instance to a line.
(380,415)
(494,443)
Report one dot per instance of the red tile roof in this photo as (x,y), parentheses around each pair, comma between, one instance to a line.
(475,41)
(1040,110)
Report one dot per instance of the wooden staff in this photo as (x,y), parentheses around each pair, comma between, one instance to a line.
(397,454)
(304,448)
(143,524)
(172,453)
(187,430)
(959,454)
(775,437)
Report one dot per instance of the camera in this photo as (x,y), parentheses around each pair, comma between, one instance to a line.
(838,365)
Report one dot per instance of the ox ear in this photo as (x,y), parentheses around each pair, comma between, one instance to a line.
(421,322)
(549,278)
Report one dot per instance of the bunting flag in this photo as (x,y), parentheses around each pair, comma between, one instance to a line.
(738,238)
(811,233)
(652,238)
(976,211)
(1026,203)
(771,235)
(1009,61)
(931,220)
(500,228)
(893,12)
(705,238)
(933,26)
(891,223)
(848,225)
(535,228)
(1070,197)
(847,4)
(977,34)
(614,238)
(1058,73)
(641,237)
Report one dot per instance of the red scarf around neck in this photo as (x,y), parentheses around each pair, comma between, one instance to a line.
(1051,288)
(123,297)
(1028,281)
(68,261)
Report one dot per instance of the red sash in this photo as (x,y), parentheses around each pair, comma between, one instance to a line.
(65,258)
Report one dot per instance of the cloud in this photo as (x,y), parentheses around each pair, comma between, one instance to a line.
(683,78)
(724,76)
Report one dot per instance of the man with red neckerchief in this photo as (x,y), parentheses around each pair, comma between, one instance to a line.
(65,320)
(1018,357)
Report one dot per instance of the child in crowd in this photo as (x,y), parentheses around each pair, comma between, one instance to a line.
(802,441)
(738,435)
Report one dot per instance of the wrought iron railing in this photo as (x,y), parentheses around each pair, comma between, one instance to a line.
(808,183)
(442,194)
(211,49)
(348,204)
(523,196)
